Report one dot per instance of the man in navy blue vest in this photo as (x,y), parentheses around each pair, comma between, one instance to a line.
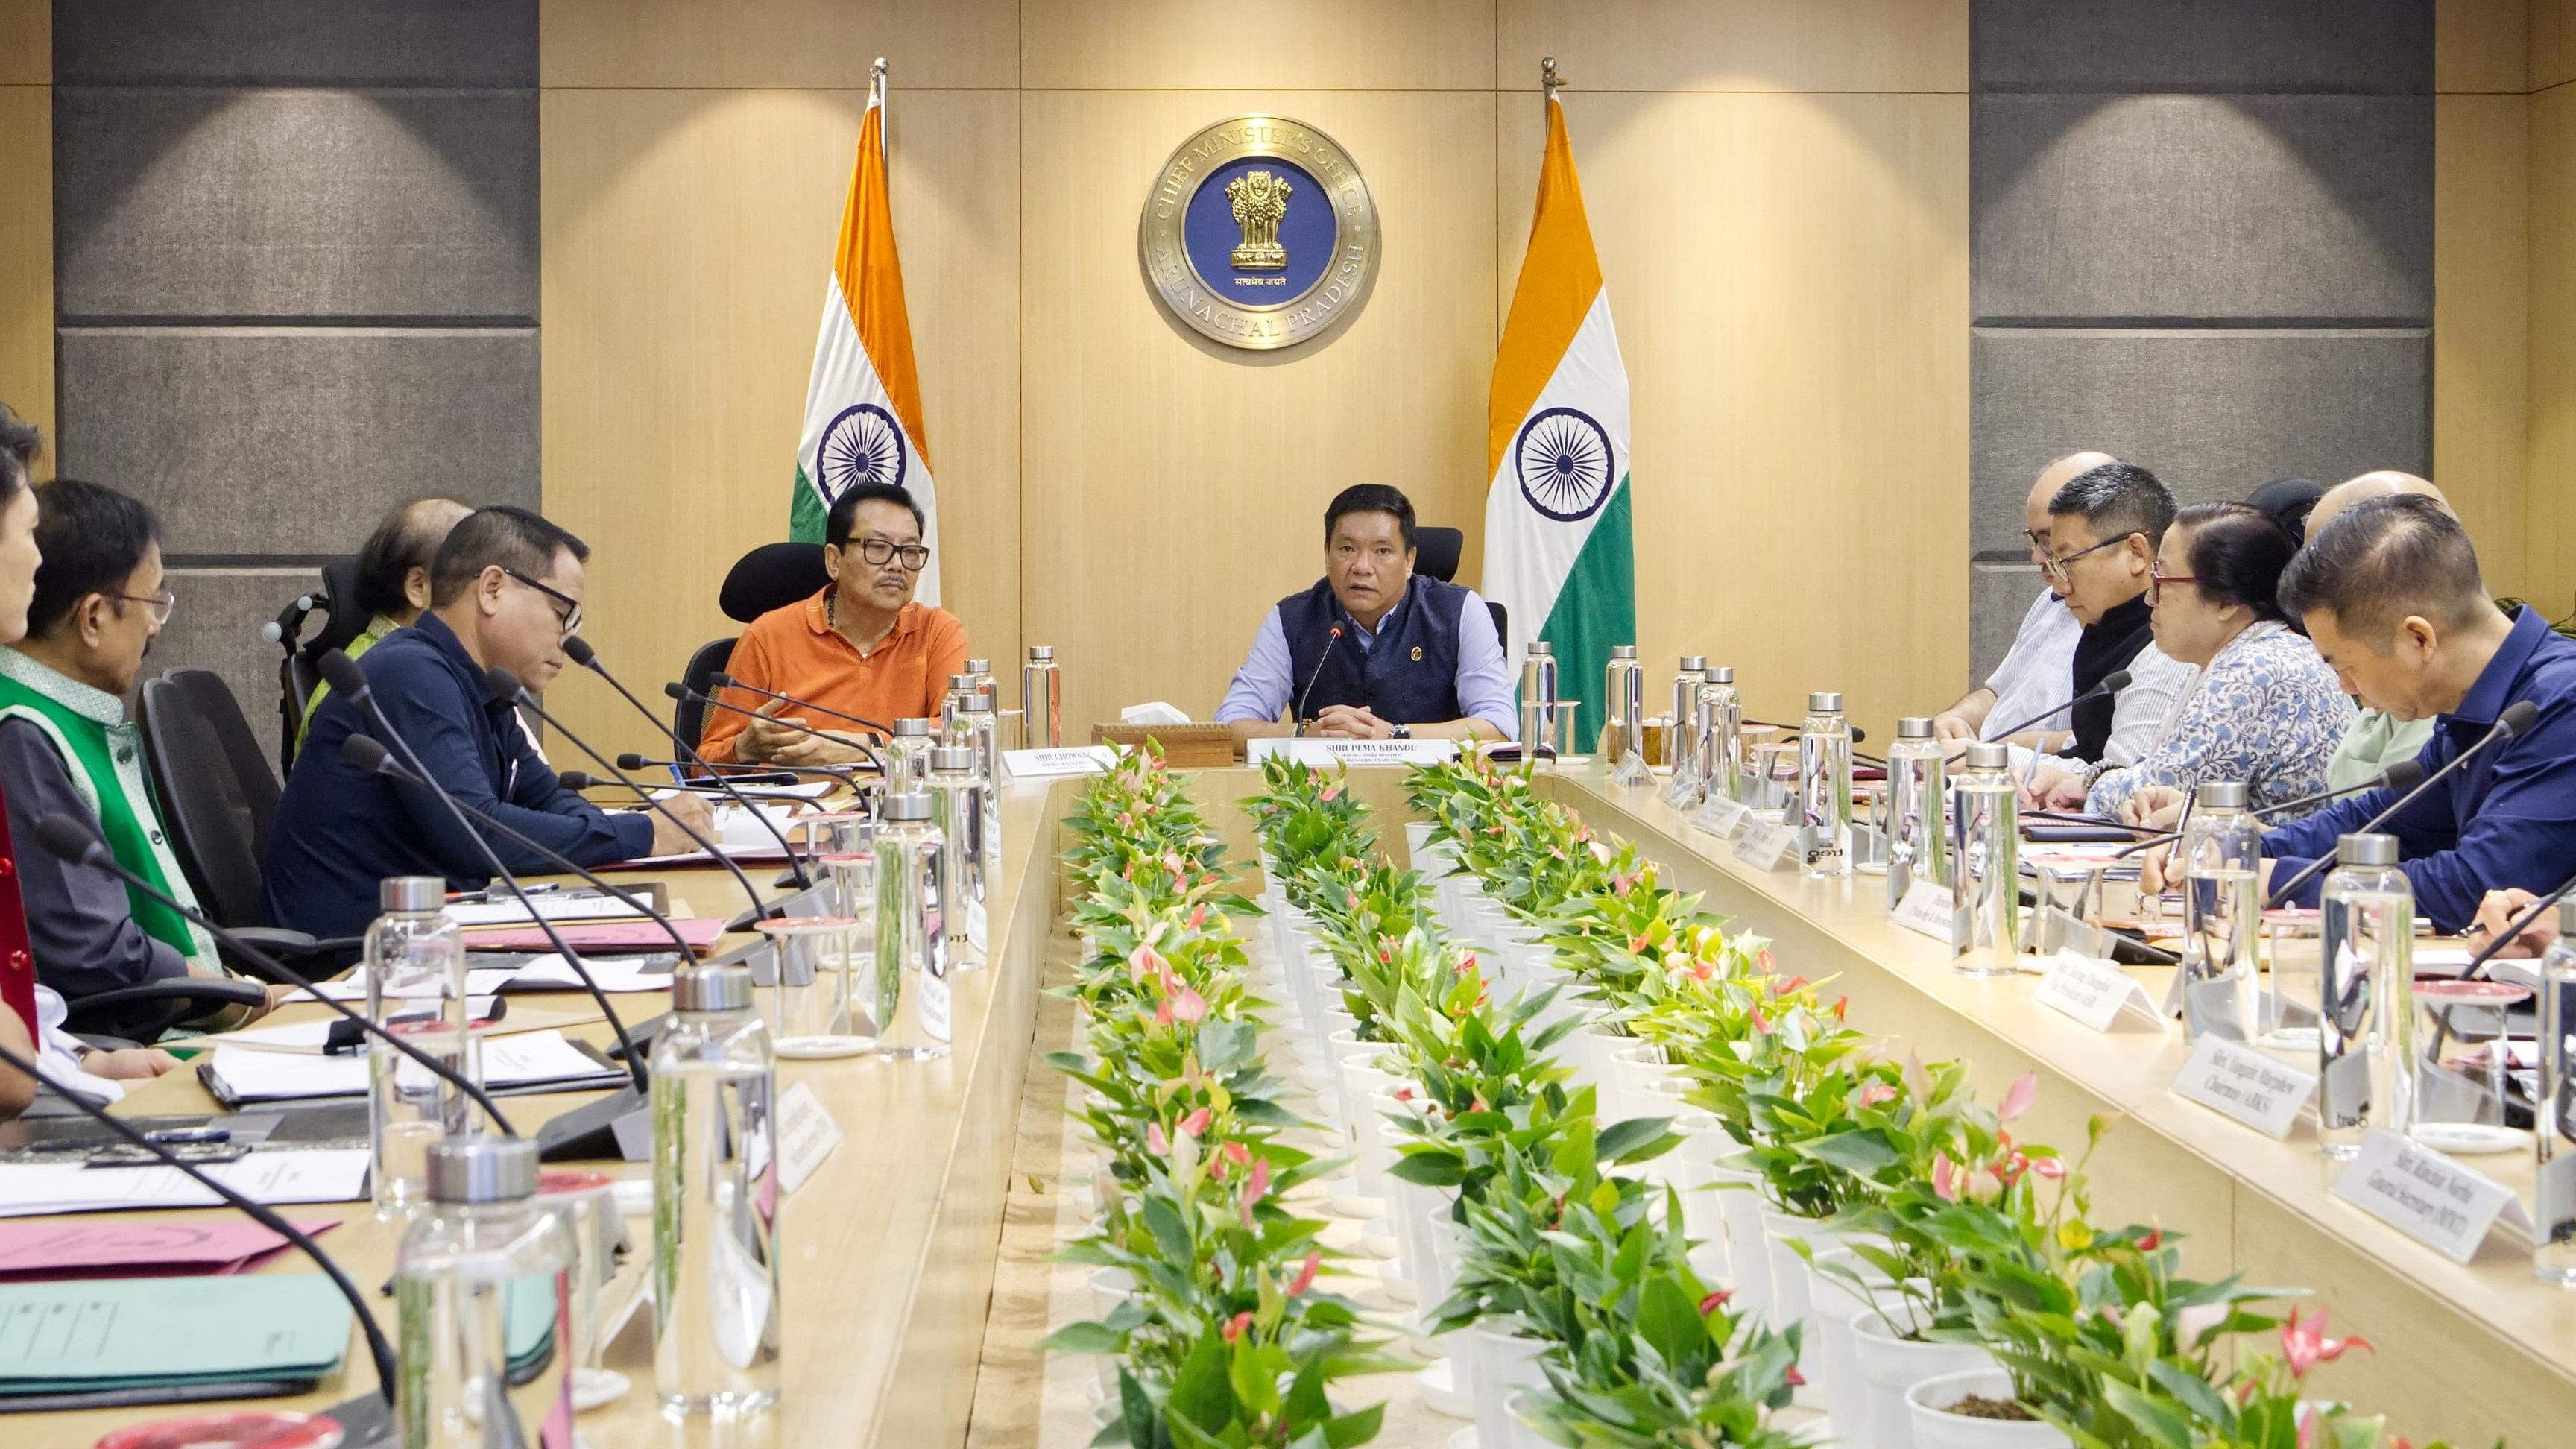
(1374,651)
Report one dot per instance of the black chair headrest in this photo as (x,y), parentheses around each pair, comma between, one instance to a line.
(1436,551)
(772,576)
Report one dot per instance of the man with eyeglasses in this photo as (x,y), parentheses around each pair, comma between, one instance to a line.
(505,592)
(66,749)
(863,647)
(2035,670)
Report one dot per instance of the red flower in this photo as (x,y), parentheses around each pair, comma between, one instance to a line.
(1761,1023)
(2305,1345)
(1196,1123)
(1792,984)
(1237,1153)
(1841,1005)
(1795,1378)
(1715,1301)
(1305,1278)
(2154,1239)
(1235,1326)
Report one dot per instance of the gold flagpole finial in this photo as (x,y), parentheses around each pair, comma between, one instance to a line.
(877,70)
(1548,77)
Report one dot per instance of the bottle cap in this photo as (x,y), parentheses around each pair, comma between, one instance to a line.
(712,988)
(1720,674)
(1694,663)
(905,728)
(1540,647)
(1040,653)
(485,1169)
(961,681)
(412,893)
(977,703)
(951,759)
(979,666)
(2365,850)
(911,805)
(2220,794)
(1623,651)
(2567,919)
(1985,755)
(1825,701)
(1914,727)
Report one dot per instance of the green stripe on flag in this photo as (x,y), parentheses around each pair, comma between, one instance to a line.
(805,515)
(1596,609)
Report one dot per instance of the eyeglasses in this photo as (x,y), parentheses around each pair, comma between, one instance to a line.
(2038,541)
(878,551)
(2055,568)
(160,604)
(2157,578)
(569,615)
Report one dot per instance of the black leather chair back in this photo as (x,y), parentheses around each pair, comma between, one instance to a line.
(771,576)
(1436,551)
(217,795)
(689,716)
(301,669)
(1502,628)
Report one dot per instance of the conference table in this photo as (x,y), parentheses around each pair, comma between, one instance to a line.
(888,1251)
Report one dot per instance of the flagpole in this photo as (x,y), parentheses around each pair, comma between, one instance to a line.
(877,88)
(1547,76)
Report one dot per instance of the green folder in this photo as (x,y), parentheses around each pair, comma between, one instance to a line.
(88,1335)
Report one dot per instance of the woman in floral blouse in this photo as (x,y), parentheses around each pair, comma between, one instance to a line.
(2263,707)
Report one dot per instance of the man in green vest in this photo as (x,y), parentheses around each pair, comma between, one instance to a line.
(66,748)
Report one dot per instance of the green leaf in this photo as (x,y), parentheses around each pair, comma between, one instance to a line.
(1430,1169)
(2160,1422)
(1669,1320)
(1357,1427)
(1201,1392)
(1086,1337)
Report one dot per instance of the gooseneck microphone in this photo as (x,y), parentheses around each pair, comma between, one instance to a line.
(2404,775)
(579,651)
(67,839)
(2111,683)
(722,680)
(2513,930)
(2516,718)
(679,691)
(378,1349)
(1297,716)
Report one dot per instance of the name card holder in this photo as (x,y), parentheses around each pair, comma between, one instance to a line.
(806,1135)
(1049,764)
(1722,817)
(2239,1081)
(2442,1204)
(1768,847)
(1312,751)
(1927,910)
(2097,993)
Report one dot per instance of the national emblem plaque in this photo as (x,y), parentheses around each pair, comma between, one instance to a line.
(1260,233)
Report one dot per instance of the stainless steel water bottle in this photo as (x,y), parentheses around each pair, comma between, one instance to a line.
(1917,795)
(1623,732)
(1041,700)
(1985,864)
(2365,898)
(1824,811)
(2222,914)
(1538,701)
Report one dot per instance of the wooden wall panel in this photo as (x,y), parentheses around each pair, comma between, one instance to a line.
(1174,488)
(2553,43)
(1736,45)
(819,44)
(1789,278)
(2550,498)
(1305,45)
(688,239)
(27,221)
(2481,46)
(2481,295)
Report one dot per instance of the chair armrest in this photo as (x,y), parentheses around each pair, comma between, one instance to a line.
(194,995)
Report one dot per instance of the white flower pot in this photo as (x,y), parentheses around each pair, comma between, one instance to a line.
(1109,1288)
(1417,841)
(1936,1428)
(1835,1301)
(1890,1365)
(1521,1407)
(1748,1254)
(1370,1153)
(1505,1363)
(1634,1068)
(1792,1294)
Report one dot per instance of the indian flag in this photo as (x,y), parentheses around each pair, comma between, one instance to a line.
(863,402)
(1557,552)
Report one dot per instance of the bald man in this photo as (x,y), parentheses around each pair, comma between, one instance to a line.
(2038,671)
(2376,738)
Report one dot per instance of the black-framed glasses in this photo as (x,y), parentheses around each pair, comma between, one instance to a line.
(2157,578)
(567,608)
(160,604)
(878,552)
(2056,567)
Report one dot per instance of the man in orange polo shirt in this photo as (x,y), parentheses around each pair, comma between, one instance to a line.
(861,647)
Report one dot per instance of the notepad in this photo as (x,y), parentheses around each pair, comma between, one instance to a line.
(152,1332)
(285,1175)
(532,1059)
(569,906)
(603,936)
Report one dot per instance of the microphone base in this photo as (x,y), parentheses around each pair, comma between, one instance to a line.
(365,1422)
(618,1125)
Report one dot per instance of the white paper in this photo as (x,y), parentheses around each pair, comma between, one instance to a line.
(1045,764)
(1926,908)
(511,911)
(2441,960)
(613,973)
(2095,991)
(2242,1082)
(316,1034)
(479,981)
(2438,1202)
(1721,817)
(1314,750)
(287,1175)
(806,1135)
(260,1076)
(1765,846)
(1153,712)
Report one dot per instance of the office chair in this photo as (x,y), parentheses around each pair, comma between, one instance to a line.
(301,669)
(769,577)
(1435,555)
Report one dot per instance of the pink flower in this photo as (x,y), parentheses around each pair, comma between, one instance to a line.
(1984,1186)
(1189,1006)
(1196,1123)
(1600,852)
(2305,1345)
(1792,984)
(1761,1023)
(1235,1326)
(1143,961)
(1305,1278)
(1945,1177)
(1620,882)
(2192,1322)
(1237,1153)
(1764,963)
(1841,1005)
(1163,1013)
(2049,1167)
(1155,1141)
(1331,792)
(1794,1378)
(1198,917)
(1255,1188)
(1404,1094)
(2155,1239)
(1877,1092)
(1715,1301)
(2019,1096)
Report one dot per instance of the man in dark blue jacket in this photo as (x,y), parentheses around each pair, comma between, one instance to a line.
(505,592)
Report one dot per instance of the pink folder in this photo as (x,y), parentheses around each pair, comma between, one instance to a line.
(607,937)
(90,1248)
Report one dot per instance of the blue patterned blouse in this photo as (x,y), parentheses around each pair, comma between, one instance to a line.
(2267,709)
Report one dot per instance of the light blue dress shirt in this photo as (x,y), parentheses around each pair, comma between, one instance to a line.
(1263,689)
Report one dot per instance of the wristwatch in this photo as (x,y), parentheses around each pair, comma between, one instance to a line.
(1401,732)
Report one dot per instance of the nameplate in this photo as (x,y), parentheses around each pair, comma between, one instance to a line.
(806,1135)
(2094,991)
(1926,908)
(1721,817)
(1315,751)
(2438,1202)
(1047,764)
(1766,847)
(2238,1081)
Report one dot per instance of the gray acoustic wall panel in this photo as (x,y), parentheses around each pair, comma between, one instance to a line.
(295,440)
(216,626)
(2201,45)
(2193,207)
(2213,413)
(192,203)
(1998,595)
(296,42)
